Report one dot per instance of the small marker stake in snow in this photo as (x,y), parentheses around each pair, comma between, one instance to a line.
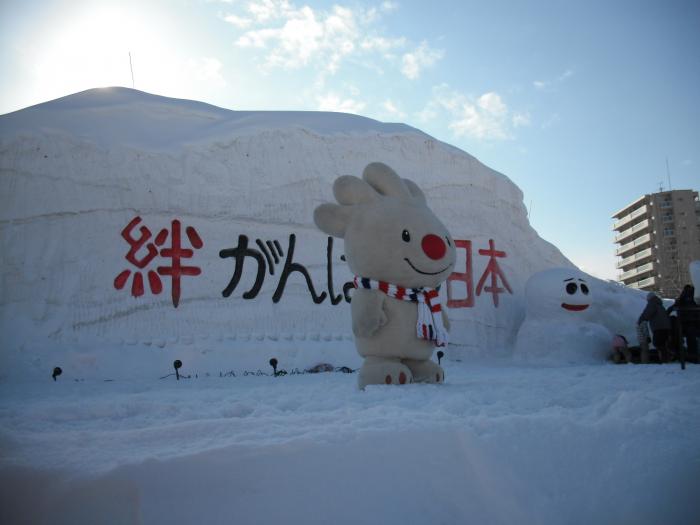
(177,364)
(56,372)
(440,355)
(273,364)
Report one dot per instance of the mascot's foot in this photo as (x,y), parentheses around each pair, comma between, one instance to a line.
(383,371)
(425,371)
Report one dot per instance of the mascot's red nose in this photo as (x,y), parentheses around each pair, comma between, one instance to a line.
(433,246)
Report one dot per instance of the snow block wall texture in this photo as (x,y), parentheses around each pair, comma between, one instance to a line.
(132,222)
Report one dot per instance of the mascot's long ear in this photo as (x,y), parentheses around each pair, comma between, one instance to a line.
(333,219)
(352,190)
(385,180)
(415,191)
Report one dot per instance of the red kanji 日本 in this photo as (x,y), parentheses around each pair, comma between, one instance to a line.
(493,270)
(465,277)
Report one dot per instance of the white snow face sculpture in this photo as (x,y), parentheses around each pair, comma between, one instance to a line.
(557,327)
(559,293)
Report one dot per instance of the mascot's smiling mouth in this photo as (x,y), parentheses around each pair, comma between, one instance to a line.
(425,273)
(574,307)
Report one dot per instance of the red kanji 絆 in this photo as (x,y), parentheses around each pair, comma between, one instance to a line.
(175,252)
(493,270)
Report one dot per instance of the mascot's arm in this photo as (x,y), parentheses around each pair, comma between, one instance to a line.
(445,319)
(367,312)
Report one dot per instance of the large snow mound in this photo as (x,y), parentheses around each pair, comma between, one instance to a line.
(76,172)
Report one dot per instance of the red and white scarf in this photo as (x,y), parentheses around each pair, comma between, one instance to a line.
(429,325)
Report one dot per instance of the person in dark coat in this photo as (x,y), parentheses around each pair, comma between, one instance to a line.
(659,322)
(689,317)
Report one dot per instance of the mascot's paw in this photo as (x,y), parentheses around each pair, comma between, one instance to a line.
(425,371)
(377,371)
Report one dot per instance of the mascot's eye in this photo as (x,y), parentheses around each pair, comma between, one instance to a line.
(406,236)
(584,289)
(571,288)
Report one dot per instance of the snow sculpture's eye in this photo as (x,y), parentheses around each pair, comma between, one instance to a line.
(584,289)
(406,236)
(448,241)
(571,288)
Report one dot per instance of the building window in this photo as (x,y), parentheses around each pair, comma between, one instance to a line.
(668,232)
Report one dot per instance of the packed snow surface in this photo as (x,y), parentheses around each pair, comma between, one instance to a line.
(495,444)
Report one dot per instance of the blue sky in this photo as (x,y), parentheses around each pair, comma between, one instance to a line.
(579,103)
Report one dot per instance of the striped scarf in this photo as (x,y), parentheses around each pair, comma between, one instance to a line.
(429,325)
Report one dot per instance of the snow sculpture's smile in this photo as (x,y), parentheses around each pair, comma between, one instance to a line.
(574,307)
(425,273)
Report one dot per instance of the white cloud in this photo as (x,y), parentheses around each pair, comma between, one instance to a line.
(566,74)
(546,85)
(428,113)
(334,102)
(292,37)
(304,35)
(238,21)
(390,107)
(521,119)
(264,10)
(382,44)
(423,56)
(493,104)
(486,117)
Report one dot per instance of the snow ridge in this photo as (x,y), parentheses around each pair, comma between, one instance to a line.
(77,170)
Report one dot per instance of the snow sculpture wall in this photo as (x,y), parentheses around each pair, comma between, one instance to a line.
(116,206)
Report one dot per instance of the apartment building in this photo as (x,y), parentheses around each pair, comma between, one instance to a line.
(657,236)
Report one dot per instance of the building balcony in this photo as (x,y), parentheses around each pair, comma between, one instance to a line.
(639,212)
(635,244)
(636,272)
(624,211)
(630,233)
(636,258)
(644,284)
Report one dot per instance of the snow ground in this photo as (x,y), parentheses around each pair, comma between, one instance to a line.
(497,444)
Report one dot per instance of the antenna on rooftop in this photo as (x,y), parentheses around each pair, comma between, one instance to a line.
(131,66)
(661,186)
(668,175)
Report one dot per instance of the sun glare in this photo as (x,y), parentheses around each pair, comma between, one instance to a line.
(91,48)
(97,46)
